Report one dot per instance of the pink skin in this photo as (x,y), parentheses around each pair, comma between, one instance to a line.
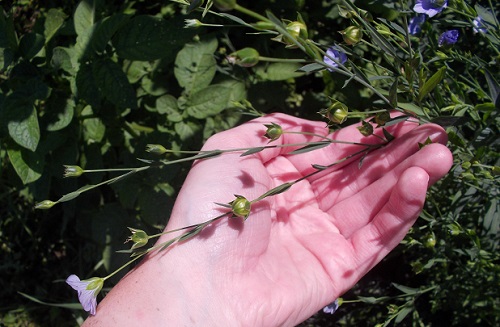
(299,250)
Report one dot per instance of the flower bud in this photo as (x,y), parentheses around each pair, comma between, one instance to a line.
(246,57)
(273,132)
(366,129)
(346,13)
(139,238)
(225,5)
(192,23)
(429,241)
(241,207)
(297,29)
(337,113)
(72,171)
(261,25)
(466,165)
(156,149)
(45,204)
(352,35)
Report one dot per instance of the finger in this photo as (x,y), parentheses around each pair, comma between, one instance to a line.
(374,241)
(338,185)
(434,159)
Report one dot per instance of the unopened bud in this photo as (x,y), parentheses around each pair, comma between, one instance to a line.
(352,35)
(337,113)
(45,204)
(241,207)
(273,132)
(156,149)
(297,29)
(139,238)
(366,129)
(72,171)
(261,25)
(246,57)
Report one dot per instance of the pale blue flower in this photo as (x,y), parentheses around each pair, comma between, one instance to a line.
(415,25)
(448,38)
(332,307)
(430,7)
(87,291)
(333,57)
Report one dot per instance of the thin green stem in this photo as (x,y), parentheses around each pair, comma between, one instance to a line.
(251,13)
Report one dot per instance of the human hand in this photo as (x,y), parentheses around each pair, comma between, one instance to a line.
(298,250)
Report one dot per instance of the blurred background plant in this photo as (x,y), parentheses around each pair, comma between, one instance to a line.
(92,82)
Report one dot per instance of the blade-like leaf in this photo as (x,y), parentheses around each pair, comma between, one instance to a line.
(431,83)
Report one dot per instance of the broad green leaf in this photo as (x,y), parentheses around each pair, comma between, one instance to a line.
(93,128)
(30,45)
(167,105)
(84,16)
(86,86)
(208,101)
(62,59)
(24,129)
(28,165)
(431,83)
(53,22)
(150,38)
(411,107)
(105,29)
(82,46)
(195,65)
(113,84)
(8,40)
(61,114)
(280,71)
(186,130)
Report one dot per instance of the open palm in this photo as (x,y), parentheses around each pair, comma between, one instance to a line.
(298,250)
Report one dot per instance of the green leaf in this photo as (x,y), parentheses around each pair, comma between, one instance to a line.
(277,190)
(28,165)
(431,83)
(106,29)
(30,45)
(84,16)
(167,105)
(53,22)
(62,59)
(24,129)
(280,71)
(252,151)
(195,65)
(186,130)
(150,38)
(393,94)
(93,128)
(208,102)
(86,85)
(113,84)
(311,68)
(8,40)
(61,114)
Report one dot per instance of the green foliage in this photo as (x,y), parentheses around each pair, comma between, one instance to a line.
(91,83)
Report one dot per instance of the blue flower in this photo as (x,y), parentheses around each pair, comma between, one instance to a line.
(333,57)
(448,38)
(332,307)
(415,25)
(430,7)
(479,25)
(87,291)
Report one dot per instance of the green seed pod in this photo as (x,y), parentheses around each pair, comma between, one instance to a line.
(337,113)
(241,207)
(45,204)
(352,35)
(156,149)
(139,238)
(72,171)
(273,132)
(366,129)
(246,57)
(297,29)
(429,240)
